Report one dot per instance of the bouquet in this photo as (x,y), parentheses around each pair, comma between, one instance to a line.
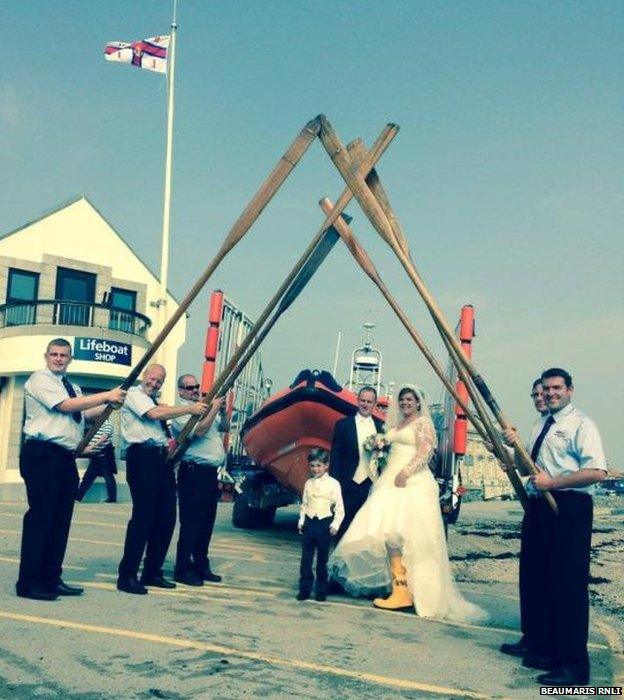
(378,446)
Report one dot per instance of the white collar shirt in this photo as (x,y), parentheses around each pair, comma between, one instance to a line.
(364,426)
(321,498)
(43,392)
(136,427)
(206,449)
(571,444)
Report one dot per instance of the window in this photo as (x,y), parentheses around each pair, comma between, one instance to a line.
(123,306)
(74,286)
(22,286)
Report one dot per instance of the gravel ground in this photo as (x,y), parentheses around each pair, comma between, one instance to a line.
(485,543)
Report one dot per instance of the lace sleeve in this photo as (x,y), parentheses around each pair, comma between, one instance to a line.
(425,444)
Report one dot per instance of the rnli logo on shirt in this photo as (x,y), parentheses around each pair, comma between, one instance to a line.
(99,350)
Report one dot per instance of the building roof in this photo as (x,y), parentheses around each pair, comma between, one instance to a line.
(70,203)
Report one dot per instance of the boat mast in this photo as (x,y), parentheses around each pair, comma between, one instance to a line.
(366,364)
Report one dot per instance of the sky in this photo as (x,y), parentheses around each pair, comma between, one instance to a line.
(506,174)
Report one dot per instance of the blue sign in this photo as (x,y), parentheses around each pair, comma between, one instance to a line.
(99,350)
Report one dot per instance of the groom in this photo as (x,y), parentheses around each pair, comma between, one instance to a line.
(349,461)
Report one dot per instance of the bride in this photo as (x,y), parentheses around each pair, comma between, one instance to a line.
(401,521)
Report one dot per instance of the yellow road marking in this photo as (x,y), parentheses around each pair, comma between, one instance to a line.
(212,587)
(256,559)
(361,676)
(173,593)
(446,623)
(15,560)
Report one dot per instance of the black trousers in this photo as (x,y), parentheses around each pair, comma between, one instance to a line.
(51,477)
(99,465)
(198,494)
(152,487)
(353,497)
(316,538)
(554,577)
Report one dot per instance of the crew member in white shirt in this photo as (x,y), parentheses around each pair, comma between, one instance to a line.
(54,425)
(198,486)
(524,647)
(349,460)
(566,446)
(322,512)
(151,480)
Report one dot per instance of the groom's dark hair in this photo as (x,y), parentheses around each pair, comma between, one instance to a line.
(367,388)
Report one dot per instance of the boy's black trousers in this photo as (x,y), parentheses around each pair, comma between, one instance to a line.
(316,537)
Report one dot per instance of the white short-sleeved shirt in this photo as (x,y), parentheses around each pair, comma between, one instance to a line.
(572,443)
(44,391)
(136,427)
(207,449)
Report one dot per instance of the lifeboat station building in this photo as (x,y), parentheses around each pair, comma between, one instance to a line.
(69,274)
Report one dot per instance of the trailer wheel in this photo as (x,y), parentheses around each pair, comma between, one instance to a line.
(245,516)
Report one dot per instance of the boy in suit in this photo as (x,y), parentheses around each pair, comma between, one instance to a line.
(321,513)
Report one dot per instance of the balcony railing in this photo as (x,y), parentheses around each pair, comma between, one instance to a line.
(73,313)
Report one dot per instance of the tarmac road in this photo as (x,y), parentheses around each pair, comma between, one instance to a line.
(245,637)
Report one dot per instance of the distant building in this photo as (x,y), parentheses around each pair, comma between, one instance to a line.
(479,468)
(70,274)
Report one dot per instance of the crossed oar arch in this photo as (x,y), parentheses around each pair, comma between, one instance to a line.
(357,168)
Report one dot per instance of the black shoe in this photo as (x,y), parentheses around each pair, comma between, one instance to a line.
(563,676)
(129,584)
(321,597)
(207,575)
(157,581)
(61,588)
(189,578)
(109,500)
(35,592)
(303,595)
(334,587)
(542,662)
(520,648)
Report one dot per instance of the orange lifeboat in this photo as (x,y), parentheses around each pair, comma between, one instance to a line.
(279,436)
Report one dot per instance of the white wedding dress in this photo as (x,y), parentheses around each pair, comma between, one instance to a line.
(405,518)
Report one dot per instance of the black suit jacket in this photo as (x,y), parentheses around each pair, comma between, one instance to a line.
(345,455)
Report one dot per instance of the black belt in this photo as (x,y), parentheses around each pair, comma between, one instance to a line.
(48,444)
(203,465)
(160,449)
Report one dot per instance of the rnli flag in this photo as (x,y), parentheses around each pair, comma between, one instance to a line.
(150,54)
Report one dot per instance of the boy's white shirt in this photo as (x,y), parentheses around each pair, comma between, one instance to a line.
(321,497)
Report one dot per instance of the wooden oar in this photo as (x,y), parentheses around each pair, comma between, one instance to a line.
(365,262)
(456,355)
(379,147)
(493,436)
(357,151)
(253,340)
(377,216)
(244,222)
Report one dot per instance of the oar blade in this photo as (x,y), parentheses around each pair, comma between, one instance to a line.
(311,265)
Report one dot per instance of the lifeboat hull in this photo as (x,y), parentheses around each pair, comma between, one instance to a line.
(280,435)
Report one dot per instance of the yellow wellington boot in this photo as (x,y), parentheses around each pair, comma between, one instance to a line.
(400,598)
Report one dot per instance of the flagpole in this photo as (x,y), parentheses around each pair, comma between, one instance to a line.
(164,256)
